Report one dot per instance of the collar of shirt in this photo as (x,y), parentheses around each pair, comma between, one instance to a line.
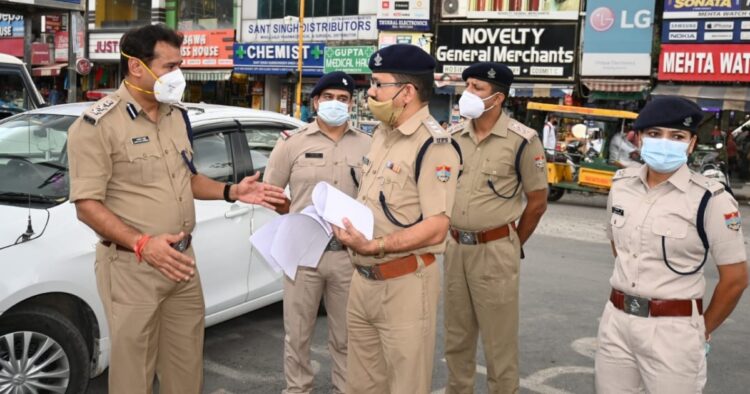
(128,99)
(313,128)
(680,179)
(500,128)
(414,122)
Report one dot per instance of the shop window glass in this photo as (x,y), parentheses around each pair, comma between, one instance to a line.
(206,14)
(336,7)
(119,14)
(351,7)
(313,8)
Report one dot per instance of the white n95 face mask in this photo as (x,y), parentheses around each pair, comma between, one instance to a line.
(333,112)
(168,88)
(472,106)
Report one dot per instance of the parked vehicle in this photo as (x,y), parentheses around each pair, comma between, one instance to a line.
(53,331)
(17,91)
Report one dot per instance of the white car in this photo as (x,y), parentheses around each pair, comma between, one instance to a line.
(53,331)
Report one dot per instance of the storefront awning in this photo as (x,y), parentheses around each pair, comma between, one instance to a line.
(735,98)
(48,71)
(617,85)
(207,75)
(540,90)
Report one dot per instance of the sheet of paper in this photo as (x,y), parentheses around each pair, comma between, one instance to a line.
(333,205)
(299,241)
(311,212)
(262,240)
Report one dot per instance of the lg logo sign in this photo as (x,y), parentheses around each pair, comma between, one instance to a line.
(603,18)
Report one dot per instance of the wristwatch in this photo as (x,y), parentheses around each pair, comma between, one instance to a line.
(227,186)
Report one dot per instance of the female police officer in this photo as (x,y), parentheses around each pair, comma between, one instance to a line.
(665,221)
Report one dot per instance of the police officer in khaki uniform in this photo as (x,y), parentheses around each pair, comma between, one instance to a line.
(409,183)
(131,181)
(665,221)
(503,161)
(326,150)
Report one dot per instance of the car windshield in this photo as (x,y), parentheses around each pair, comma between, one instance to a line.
(33,163)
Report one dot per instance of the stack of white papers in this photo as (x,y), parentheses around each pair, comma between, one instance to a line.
(299,239)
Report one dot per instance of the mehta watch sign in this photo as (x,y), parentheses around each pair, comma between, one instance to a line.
(705,62)
(533,51)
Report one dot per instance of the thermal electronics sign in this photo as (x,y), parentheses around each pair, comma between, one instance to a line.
(351,60)
(689,9)
(630,25)
(686,31)
(522,9)
(318,29)
(404,15)
(278,58)
(532,51)
(11,25)
(705,62)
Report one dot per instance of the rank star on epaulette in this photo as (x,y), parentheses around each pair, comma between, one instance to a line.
(443,173)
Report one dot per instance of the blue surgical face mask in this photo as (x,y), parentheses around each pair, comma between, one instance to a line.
(663,155)
(333,112)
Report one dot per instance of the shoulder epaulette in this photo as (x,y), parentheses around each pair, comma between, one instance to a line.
(630,172)
(709,184)
(102,107)
(180,106)
(521,129)
(439,134)
(286,134)
(358,130)
(457,128)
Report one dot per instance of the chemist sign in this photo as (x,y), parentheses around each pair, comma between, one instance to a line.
(351,60)
(207,48)
(278,58)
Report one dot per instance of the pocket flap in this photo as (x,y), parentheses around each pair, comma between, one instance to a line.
(670,227)
(496,167)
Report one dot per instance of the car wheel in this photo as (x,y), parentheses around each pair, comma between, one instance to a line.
(555,193)
(42,351)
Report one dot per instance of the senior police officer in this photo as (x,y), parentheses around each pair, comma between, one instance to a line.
(329,149)
(665,221)
(408,182)
(503,161)
(131,182)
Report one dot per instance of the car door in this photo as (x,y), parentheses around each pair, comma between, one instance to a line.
(258,139)
(222,229)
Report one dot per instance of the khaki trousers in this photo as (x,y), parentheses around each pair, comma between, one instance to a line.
(655,354)
(392,333)
(156,325)
(481,297)
(301,301)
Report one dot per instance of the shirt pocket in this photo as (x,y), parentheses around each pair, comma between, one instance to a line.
(392,182)
(145,164)
(184,162)
(354,171)
(619,234)
(500,173)
(683,252)
(308,170)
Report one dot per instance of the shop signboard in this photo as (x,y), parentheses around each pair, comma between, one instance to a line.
(522,9)
(280,58)
(705,62)
(40,53)
(419,39)
(704,9)
(404,15)
(318,29)
(687,31)
(351,60)
(104,46)
(533,51)
(207,48)
(61,45)
(11,25)
(630,25)
(57,4)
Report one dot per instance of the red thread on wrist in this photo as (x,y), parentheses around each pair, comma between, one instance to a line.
(139,245)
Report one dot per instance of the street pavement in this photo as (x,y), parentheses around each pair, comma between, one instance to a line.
(564,286)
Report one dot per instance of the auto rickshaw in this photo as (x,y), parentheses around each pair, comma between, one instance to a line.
(582,165)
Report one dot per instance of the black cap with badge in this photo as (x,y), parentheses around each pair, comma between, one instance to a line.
(494,73)
(671,112)
(402,59)
(334,80)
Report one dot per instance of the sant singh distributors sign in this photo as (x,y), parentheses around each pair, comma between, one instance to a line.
(533,51)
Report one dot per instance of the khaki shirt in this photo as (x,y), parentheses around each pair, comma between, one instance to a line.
(641,216)
(133,165)
(477,206)
(309,156)
(389,168)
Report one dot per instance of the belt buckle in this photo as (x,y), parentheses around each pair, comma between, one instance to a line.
(467,237)
(367,271)
(182,244)
(334,245)
(637,306)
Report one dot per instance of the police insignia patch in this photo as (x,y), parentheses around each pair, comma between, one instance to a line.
(540,162)
(443,173)
(732,220)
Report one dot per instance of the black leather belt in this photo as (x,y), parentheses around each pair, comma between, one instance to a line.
(334,245)
(180,246)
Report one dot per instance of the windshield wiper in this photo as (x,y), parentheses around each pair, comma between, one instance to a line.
(23,197)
